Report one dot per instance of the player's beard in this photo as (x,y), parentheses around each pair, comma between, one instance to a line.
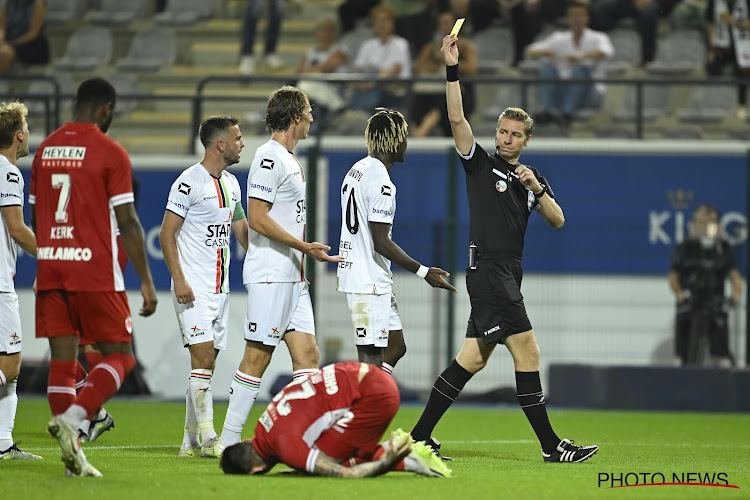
(105,126)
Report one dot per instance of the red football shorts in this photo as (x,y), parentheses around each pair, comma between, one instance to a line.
(373,413)
(92,316)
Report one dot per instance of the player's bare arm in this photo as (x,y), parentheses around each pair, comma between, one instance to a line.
(131,233)
(18,230)
(168,241)
(240,229)
(260,221)
(327,466)
(388,248)
(462,133)
(548,207)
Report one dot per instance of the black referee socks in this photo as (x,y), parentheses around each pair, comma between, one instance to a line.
(531,399)
(446,389)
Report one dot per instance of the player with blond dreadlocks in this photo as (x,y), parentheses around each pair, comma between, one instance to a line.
(368,205)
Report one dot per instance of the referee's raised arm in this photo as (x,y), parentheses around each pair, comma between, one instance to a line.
(462,134)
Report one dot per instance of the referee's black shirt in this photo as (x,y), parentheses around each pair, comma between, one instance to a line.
(499,204)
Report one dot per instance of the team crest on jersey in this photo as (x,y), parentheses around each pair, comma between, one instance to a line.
(253,327)
(184,188)
(266,163)
(361,332)
(13,177)
(129,325)
(385,190)
(501,186)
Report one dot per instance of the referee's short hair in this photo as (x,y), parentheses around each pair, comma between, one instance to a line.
(385,130)
(12,115)
(213,126)
(519,115)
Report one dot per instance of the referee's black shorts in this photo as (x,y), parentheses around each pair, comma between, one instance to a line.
(497,308)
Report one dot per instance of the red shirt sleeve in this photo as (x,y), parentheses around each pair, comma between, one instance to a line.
(119,176)
(293,451)
(32,184)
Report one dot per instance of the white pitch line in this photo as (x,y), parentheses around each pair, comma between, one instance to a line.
(124,447)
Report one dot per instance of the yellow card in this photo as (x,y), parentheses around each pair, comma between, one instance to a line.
(457,26)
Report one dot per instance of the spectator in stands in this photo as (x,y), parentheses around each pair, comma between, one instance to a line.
(22,35)
(689,15)
(248,62)
(384,55)
(605,14)
(700,266)
(352,11)
(414,20)
(430,108)
(326,56)
(577,53)
(729,42)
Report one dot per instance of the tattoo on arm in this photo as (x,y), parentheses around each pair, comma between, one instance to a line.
(327,466)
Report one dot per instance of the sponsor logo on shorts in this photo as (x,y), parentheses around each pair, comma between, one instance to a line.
(274,332)
(385,190)
(492,330)
(184,188)
(383,335)
(501,186)
(12,177)
(15,339)
(195,331)
(252,327)
(361,332)
(129,325)
(266,163)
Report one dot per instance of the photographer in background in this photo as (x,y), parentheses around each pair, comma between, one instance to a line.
(700,266)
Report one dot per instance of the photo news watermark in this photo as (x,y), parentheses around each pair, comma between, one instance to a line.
(629,479)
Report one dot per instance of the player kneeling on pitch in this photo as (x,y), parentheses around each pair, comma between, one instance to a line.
(329,423)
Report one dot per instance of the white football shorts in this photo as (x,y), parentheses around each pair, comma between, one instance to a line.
(204,320)
(373,317)
(10,323)
(273,309)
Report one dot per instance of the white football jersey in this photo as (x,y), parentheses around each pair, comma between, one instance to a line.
(367,195)
(11,194)
(208,205)
(276,177)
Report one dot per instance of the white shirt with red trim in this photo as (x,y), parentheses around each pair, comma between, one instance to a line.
(207,204)
(277,178)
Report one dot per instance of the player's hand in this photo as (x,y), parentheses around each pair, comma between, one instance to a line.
(398,448)
(450,50)
(149,299)
(183,292)
(319,252)
(435,279)
(527,178)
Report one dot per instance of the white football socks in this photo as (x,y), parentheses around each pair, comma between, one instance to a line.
(242,395)
(191,438)
(8,405)
(203,403)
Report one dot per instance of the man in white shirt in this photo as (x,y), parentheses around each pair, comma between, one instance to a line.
(278,300)
(14,144)
(576,54)
(203,209)
(368,206)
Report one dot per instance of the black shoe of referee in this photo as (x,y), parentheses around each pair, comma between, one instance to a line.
(567,451)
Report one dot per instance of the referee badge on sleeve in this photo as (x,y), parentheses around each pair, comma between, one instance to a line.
(531,200)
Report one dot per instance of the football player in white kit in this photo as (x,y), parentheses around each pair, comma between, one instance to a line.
(278,301)
(14,144)
(204,208)
(368,206)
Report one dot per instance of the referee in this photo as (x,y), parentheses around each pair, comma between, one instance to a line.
(502,193)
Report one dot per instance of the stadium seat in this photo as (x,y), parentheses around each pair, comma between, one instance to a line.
(683,132)
(87,48)
(627,44)
(511,95)
(63,11)
(125,85)
(494,49)
(742,134)
(116,12)
(184,12)
(709,103)
(678,53)
(44,88)
(655,104)
(143,57)
(614,132)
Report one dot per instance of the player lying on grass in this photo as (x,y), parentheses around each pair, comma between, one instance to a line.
(329,423)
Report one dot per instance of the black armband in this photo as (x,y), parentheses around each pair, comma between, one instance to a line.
(451,73)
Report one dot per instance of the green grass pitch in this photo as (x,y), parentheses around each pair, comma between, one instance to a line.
(497,456)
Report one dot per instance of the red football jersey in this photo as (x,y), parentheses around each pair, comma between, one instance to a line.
(78,176)
(328,399)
